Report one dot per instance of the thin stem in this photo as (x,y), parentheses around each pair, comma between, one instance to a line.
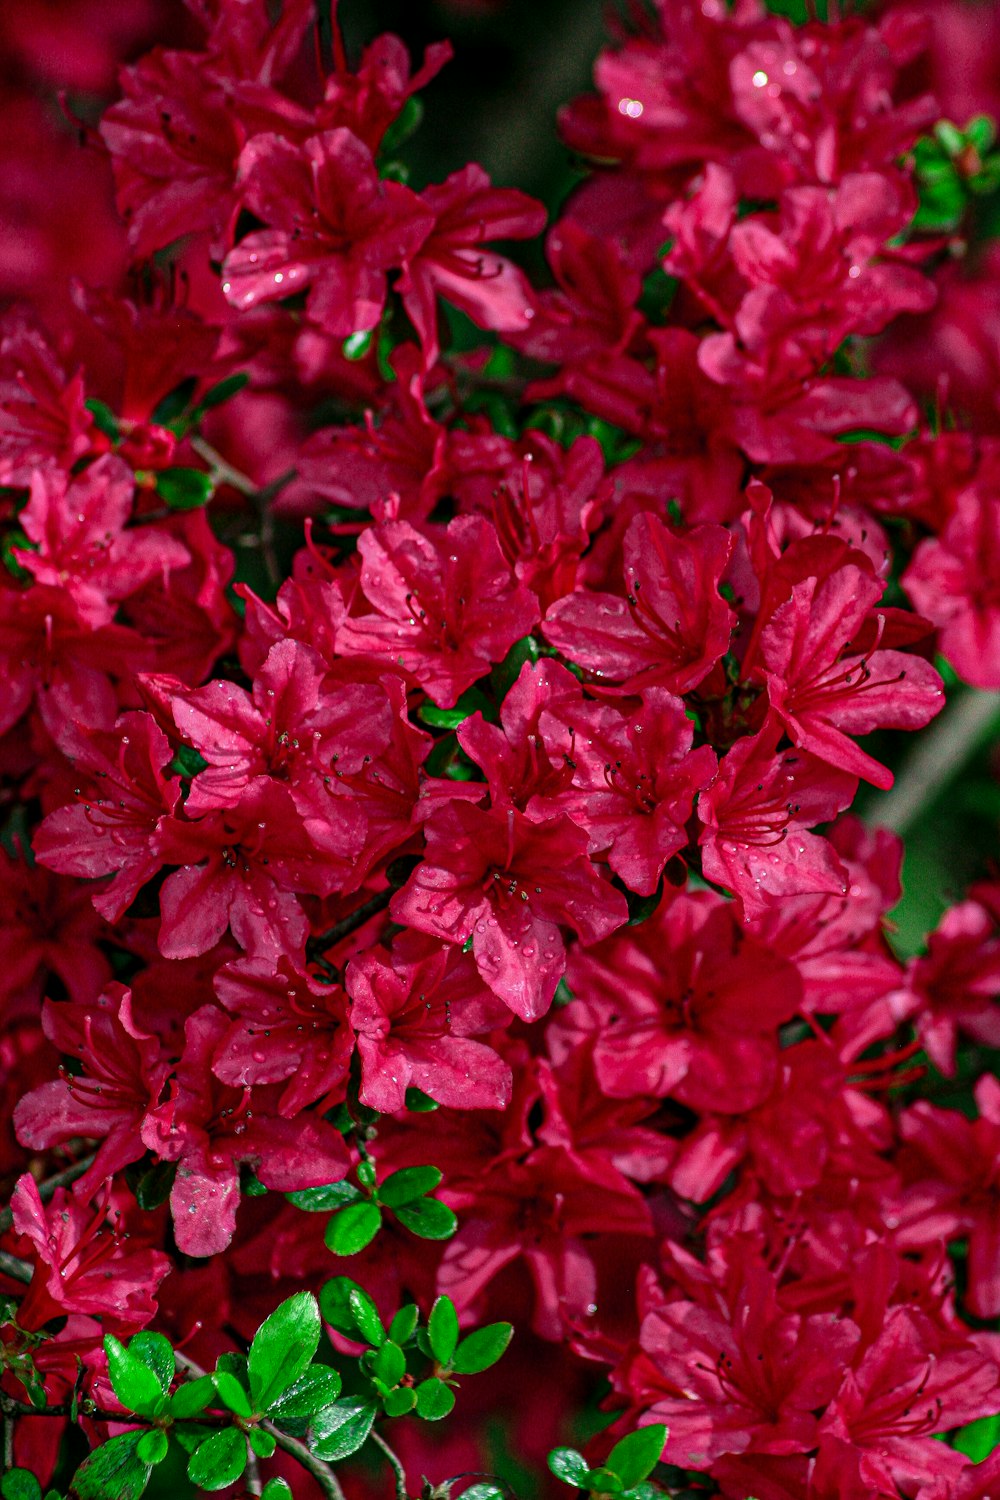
(17,1270)
(8,1439)
(397,1467)
(969,719)
(49,1187)
(358,918)
(254,1484)
(223,470)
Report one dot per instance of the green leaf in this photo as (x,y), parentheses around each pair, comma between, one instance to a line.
(636,1456)
(335,1304)
(18,1484)
(366,1317)
(282,1347)
(604,1481)
(263,1443)
(184,489)
(340,1430)
(979,1439)
(353,1228)
(224,391)
(484,1492)
(318,1387)
(419,1102)
(427,1217)
(506,673)
(366,1174)
(319,1200)
(231,1393)
(157,1353)
(357,345)
(568,1465)
(153,1188)
(188,1400)
(404,1324)
(442,1329)
(113,1471)
(135,1384)
(481,1349)
(434,1399)
(152,1447)
(398,1402)
(389,1364)
(104,418)
(276,1489)
(174,402)
(219,1460)
(408,1184)
(469,703)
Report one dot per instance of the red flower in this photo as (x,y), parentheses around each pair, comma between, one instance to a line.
(953,581)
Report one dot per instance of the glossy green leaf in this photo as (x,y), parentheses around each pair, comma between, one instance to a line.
(569,1466)
(319,1200)
(104,418)
(636,1456)
(263,1443)
(404,1324)
(434,1399)
(190,1399)
(481,1348)
(409,1184)
(157,1353)
(276,1489)
(224,391)
(135,1384)
(113,1471)
(231,1393)
(353,1228)
(979,1439)
(339,1430)
(366,1316)
(219,1460)
(152,1446)
(18,1484)
(442,1330)
(484,1491)
(604,1481)
(428,1218)
(318,1387)
(389,1364)
(184,489)
(335,1305)
(400,1401)
(282,1348)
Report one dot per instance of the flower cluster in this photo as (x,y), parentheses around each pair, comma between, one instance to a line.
(433,706)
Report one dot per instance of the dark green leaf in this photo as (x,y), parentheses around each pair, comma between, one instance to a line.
(442,1329)
(225,389)
(153,1188)
(104,418)
(484,1492)
(340,1430)
(219,1460)
(366,1317)
(568,1465)
(427,1217)
(636,1456)
(263,1443)
(353,1228)
(335,1304)
(318,1387)
(174,402)
(404,1324)
(403,126)
(156,1352)
(153,1445)
(604,1481)
(366,1174)
(184,489)
(135,1384)
(506,673)
(409,1184)
(979,1439)
(398,1402)
(283,1346)
(419,1102)
(188,1400)
(357,345)
(389,1364)
(231,1393)
(319,1200)
(481,1348)
(113,1471)
(18,1484)
(469,703)
(434,1399)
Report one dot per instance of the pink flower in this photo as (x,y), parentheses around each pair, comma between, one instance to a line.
(953,580)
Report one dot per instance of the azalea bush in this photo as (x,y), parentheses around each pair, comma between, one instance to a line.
(461,1032)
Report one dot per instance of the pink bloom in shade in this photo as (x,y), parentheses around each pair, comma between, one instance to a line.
(592,309)
(507,883)
(209,1129)
(288,729)
(952,579)
(823,689)
(914,1381)
(370,98)
(748,1376)
(635,778)
(83,1263)
(955,988)
(756,815)
(453,262)
(954,1169)
(520,766)
(578,1116)
(413,1010)
(47,926)
(122,795)
(696,1008)
(671,627)
(241,868)
(121,1077)
(42,411)
(333,227)
(287,1025)
(446,606)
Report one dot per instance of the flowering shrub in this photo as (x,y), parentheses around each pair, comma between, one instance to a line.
(434,702)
